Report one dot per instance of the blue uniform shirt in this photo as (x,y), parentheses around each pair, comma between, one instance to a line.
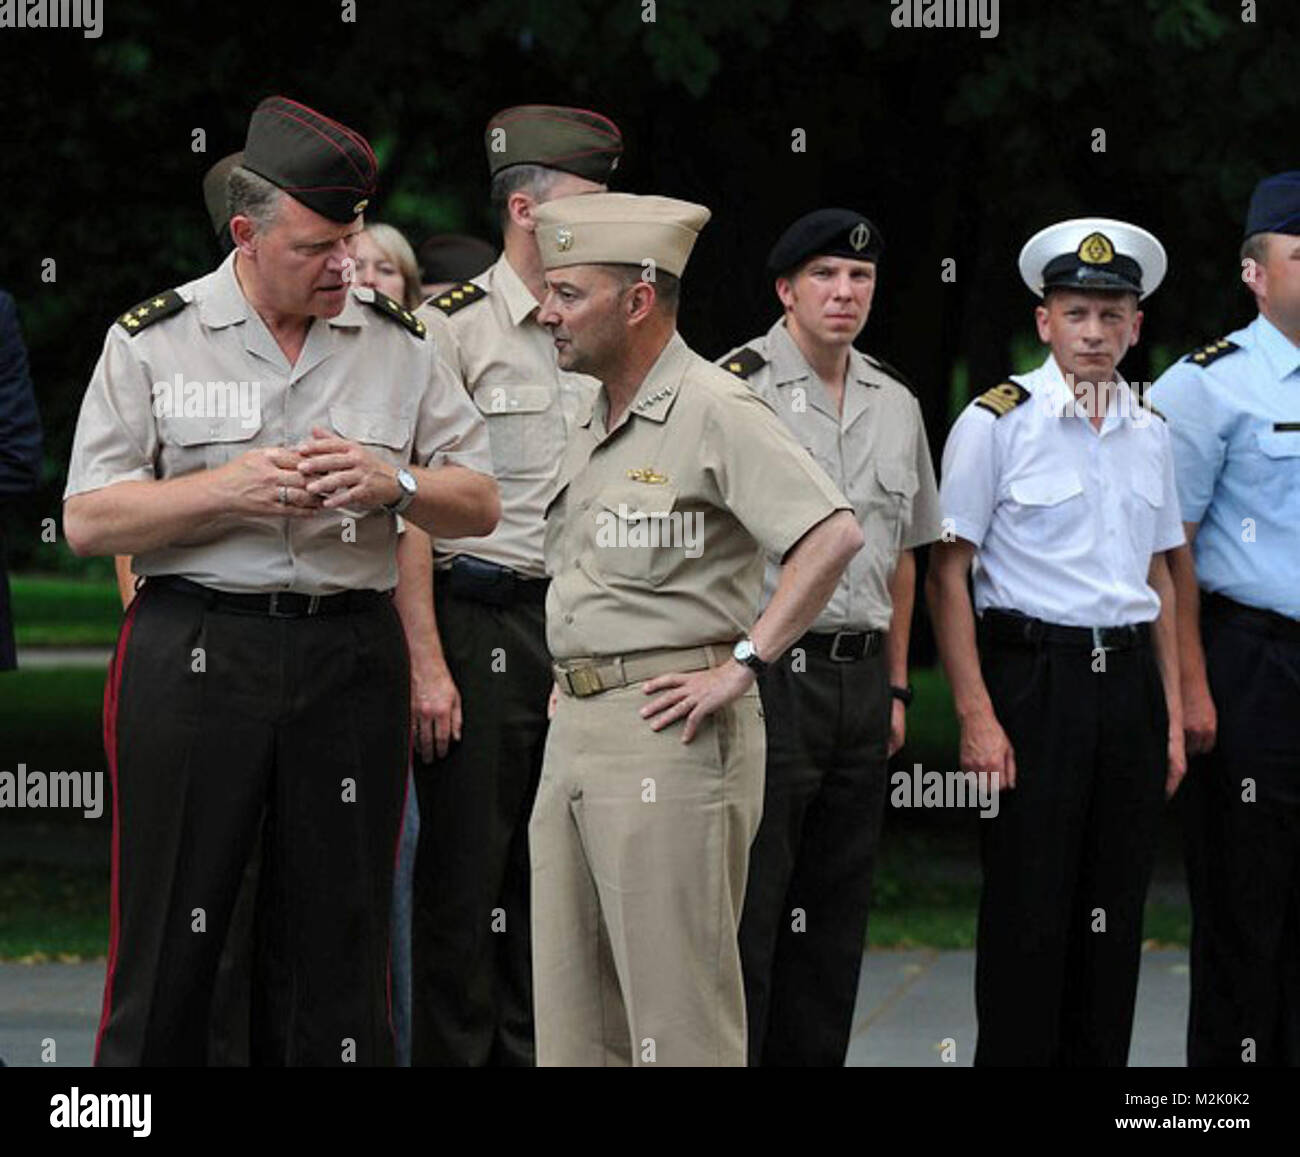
(1235,424)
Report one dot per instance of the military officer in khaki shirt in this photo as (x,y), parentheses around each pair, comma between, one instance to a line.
(249,437)
(671,490)
(471,946)
(834,702)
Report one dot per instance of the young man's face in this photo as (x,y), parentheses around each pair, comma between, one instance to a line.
(828,299)
(1277,282)
(301,261)
(1089,332)
(583,311)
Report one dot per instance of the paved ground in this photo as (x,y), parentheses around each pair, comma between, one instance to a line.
(909,1003)
(64,656)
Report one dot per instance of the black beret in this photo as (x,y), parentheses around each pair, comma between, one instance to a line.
(453,257)
(575,140)
(327,166)
(825,233)
(1275,205)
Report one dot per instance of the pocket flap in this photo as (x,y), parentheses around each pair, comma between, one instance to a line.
(1280,444)
(195,431)
(512,399)
(1147,483)
(1046,489)
(897,477)
(371,426)
(632,503)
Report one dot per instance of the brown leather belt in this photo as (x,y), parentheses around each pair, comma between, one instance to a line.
(585,677)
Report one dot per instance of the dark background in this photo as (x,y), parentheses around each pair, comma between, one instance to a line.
(956,146)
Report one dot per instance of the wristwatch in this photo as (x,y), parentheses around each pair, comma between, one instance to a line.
(902,694)
(745,654)
(406,483)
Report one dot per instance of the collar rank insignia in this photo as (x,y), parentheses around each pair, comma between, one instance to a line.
(391,309)
(744,362)
(1002,399)
(457,298)
(1212,352)
(647,474)
(150,310)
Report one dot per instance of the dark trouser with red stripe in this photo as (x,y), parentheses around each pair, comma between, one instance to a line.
(471,944)
(1243,853)
(216,723)
(1068,857)
(823,800)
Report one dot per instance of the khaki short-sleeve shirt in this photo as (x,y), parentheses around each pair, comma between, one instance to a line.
(207,382)
(874,450)
(506,360)
(656,536)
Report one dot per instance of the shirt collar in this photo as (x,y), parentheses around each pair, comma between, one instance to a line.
(519,299)
(1282,356)
(657,391)
(789,365)
(1060,400)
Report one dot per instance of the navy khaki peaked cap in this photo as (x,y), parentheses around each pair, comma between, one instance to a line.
(325,165)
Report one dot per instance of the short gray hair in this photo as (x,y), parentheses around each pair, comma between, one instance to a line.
(252,196)
(535,180)
(668,288)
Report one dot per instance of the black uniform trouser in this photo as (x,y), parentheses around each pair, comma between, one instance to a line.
(1243,854)
(1068,857)
(471,945)
(823,800)
(219,725)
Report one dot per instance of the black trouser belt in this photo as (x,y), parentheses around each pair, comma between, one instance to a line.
(843,646)
(1008,628)
(486,582)
(1268,623)
(277,604)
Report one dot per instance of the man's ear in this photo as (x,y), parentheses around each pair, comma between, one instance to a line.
(640,299)
(244,233)
(1137,328)
(1041,313)
(785,292)
(521,206)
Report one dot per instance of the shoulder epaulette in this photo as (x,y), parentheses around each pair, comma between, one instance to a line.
(398,313)
(886,368)
(152,309)
(1140,389)
(1212,352)
(1002,399)
(744,362)
(458,298)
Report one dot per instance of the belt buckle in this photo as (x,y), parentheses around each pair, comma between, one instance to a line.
(836,657)
(1097,635)
(584,682)
(313,604)
(273,607)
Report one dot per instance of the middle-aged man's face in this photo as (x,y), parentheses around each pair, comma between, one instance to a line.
(301,261)
(375,269)
(828,299)
(583,310)
(1089,332)
(1277,282)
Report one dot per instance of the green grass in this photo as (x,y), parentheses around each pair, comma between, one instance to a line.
(50,719)
(53,913)
(64,612)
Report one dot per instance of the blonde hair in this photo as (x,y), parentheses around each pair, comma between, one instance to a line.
(398,250)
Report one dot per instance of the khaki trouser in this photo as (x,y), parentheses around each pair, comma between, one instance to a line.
(640,847)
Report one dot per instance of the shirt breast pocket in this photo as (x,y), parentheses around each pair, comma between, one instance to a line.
(525,427)
(195,443)
(1278,464)
(387,435)
(1144,506)
(639,536)
(1048,502)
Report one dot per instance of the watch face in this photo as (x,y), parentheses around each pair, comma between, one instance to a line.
(406,480)
(742,651)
